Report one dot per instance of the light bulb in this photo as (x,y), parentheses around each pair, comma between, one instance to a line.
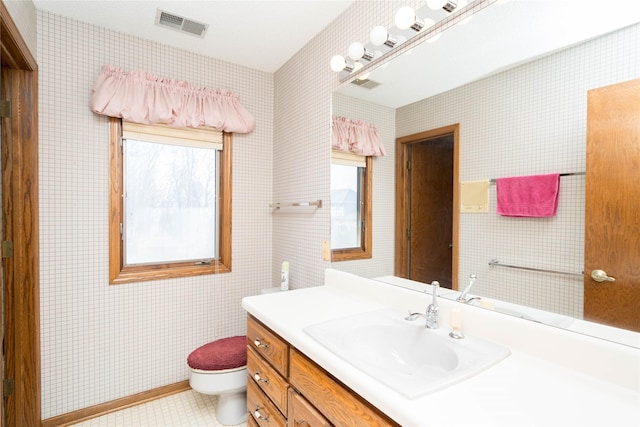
(356,51)
(405,17)
(356,67)
(338,63)
(378,35)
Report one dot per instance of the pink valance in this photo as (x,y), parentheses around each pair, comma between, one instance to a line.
(356,136)
(141,97)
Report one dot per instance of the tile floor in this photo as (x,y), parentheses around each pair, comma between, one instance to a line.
(186,409)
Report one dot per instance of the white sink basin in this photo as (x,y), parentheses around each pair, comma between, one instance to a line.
(404,355)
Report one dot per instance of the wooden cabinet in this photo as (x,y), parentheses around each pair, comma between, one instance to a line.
(285,388)
(303,414)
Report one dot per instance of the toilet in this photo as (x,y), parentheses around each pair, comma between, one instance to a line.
(220,368)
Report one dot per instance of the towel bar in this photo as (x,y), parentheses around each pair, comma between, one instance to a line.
(493,181)
(316,203)
(496,263)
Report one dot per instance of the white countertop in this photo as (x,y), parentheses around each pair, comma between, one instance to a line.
(548,379)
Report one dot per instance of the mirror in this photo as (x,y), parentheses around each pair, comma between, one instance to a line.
(515,79)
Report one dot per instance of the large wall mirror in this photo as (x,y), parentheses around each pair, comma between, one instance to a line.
(509,88)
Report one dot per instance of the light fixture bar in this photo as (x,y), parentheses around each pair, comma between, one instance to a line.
(431,31)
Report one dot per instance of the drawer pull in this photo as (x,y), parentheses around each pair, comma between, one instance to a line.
(258,415)
(259,344)
(259,379)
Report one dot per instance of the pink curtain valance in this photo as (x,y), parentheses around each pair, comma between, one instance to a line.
(141,97)
(356,136)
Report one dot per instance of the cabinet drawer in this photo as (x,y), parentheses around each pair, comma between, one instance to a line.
(303,414)
(251,422)
(338,404)
(268,379)
(261,409)
(268,345)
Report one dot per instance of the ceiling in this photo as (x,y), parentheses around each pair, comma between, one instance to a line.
(259,34)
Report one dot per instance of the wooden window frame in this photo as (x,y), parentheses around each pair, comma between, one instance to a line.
(118,272)
(365,250)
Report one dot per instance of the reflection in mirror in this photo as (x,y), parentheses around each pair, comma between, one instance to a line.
(515,79)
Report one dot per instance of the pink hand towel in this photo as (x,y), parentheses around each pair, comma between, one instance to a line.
(528,196)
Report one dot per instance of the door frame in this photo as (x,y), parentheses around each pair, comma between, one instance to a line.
(20,222)
(402,197)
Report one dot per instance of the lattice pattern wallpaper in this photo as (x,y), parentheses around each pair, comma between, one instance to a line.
(102,342)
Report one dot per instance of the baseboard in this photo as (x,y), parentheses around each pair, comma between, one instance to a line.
(114,405)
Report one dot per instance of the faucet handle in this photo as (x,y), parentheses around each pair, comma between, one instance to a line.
(435,285)
(412,315)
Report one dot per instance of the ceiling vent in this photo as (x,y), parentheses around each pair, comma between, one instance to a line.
(365,83)
(179,23)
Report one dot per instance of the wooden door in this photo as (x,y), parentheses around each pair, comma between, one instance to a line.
(431,210)
(403,209)
(612,209)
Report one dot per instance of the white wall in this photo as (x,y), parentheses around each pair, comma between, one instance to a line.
(102,342)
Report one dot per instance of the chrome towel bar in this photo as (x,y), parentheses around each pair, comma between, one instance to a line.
(493,181)
(316,203)
(495,263)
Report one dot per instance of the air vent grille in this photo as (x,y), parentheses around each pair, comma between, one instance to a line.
(179,23)
(365,83)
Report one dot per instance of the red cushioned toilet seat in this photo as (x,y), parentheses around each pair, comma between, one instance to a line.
(226,353)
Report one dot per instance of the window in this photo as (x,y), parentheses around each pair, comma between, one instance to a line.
(350,206)
(170,203)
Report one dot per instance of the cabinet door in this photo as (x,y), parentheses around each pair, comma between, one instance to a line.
(268,379)
(340,405)
(262,409)
(302,414)
(268,345)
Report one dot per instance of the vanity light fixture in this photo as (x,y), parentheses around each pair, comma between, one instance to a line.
(406,18)
(338,63)
(358,51)
(448,5)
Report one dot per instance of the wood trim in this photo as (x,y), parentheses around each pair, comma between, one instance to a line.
(15,53)
(20,223)
(115,405)
(401,190)
(118,273)
(366,250)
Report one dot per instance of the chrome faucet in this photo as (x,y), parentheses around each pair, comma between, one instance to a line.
(432,309)
(463,296)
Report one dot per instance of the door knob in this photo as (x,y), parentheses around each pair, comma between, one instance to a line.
(601,276)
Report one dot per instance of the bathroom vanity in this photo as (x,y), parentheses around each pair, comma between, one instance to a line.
(283,382)
(549,376)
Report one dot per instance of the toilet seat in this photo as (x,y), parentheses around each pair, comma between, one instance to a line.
(219,368)
(221,355)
